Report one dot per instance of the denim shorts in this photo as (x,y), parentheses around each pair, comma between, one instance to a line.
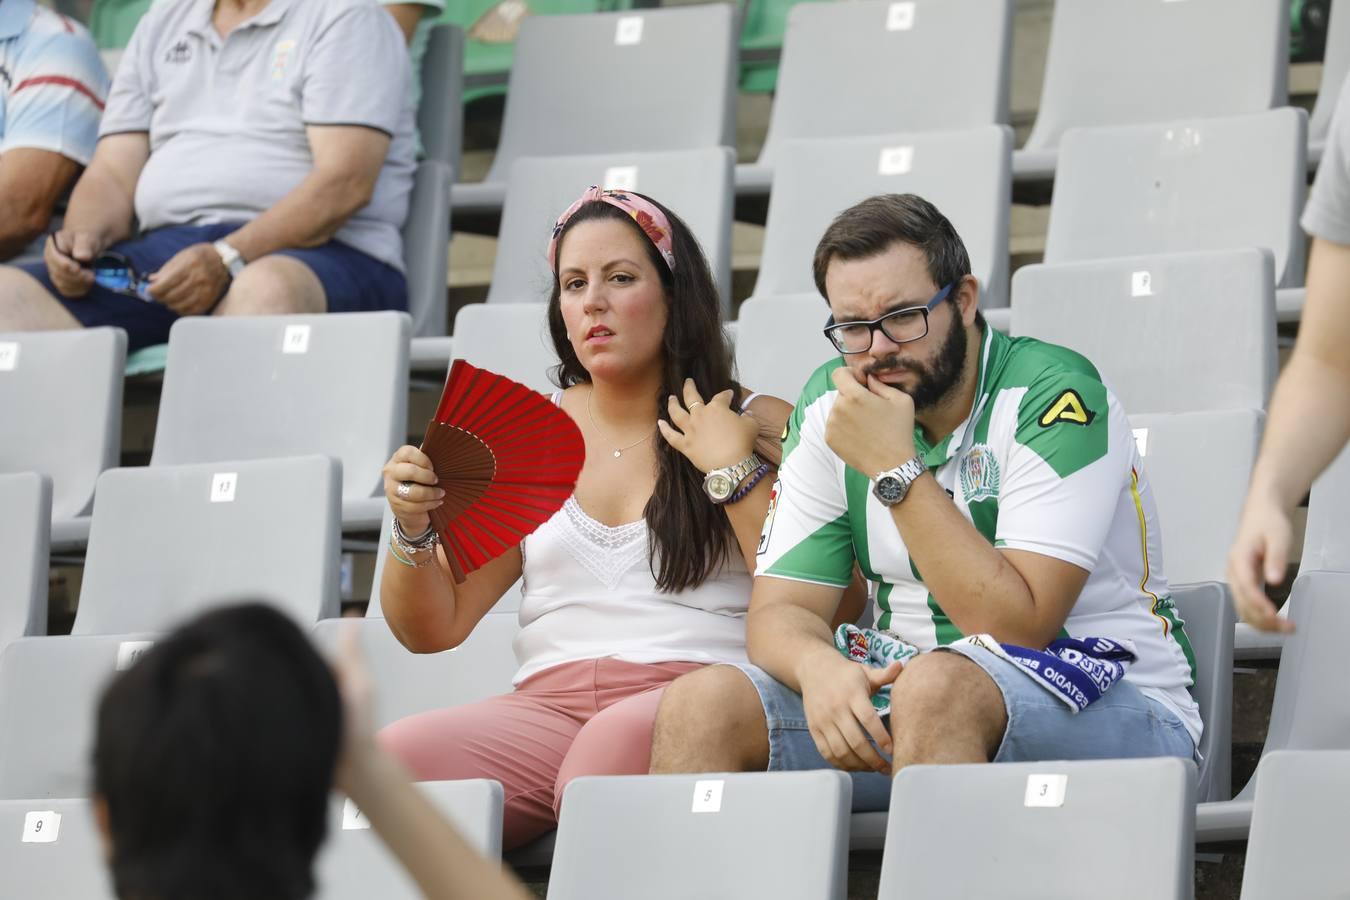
(352,281)
(1122,723)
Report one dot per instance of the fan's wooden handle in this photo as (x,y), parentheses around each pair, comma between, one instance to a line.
(465,467)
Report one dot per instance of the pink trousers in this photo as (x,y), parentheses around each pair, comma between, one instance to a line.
(592,717)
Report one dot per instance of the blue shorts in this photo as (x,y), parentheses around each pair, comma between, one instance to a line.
(1122,723)
(352,281)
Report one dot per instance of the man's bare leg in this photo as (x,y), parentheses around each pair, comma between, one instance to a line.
(274,285)
(945,709)
(25,304)
(710,721)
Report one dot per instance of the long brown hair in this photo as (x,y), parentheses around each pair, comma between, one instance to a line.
(689,537)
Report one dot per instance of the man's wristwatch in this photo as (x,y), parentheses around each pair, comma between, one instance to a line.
(891,486)
(720,484)
(230,257)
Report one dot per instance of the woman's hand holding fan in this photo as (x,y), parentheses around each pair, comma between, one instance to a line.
(506,458)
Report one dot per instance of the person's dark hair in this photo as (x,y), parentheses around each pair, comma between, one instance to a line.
(215,755)
(871,227)
(689,538)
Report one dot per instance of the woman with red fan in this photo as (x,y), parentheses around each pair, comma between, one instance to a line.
(643,574)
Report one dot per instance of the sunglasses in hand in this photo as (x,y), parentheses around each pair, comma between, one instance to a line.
(114,272)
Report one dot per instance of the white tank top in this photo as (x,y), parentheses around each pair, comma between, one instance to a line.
(588,592)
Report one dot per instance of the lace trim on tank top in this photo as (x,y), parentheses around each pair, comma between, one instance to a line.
(607,553)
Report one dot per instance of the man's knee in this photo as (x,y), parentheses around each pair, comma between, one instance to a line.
(942,685)
(274,285)
(709,720)
(16,285)
(25,305)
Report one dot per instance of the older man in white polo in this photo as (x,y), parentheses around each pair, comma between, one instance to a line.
(265,150)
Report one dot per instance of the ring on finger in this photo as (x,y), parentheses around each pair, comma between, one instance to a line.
(695,403)
(404,490)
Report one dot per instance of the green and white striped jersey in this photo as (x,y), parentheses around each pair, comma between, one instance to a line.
(1046,462)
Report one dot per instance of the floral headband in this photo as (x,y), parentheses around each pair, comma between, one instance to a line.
(648,216)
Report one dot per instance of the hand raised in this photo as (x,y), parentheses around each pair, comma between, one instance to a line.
(871,426)
(711,435)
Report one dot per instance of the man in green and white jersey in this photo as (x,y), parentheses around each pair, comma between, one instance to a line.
(984,485)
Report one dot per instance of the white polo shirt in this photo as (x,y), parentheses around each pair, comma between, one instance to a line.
(227,116)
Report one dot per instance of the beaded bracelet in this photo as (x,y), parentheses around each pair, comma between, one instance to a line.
(393,551)
(749,484)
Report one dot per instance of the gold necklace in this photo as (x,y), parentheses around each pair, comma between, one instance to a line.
(591,416)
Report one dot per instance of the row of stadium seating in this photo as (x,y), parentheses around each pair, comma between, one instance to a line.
(581,85)
(784,835)
(1127,191)
(1120,190)
(599,83)
(1175,334)
(141,579)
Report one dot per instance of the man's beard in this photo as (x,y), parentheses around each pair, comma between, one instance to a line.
(933,383)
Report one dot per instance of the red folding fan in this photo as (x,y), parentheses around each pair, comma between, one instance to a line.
(507,459)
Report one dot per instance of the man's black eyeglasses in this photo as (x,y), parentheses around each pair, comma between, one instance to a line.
(901,326)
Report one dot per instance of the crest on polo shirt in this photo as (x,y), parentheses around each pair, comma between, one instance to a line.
(281,58)
(979,474)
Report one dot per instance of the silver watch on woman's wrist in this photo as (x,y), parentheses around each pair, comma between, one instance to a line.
(891,486)
(720,484)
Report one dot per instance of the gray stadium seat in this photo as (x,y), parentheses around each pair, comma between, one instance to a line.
(261,387)
(440,114)
(625,82)
(663,837)
(49,690)
(1212,184)
(1208,613)
(1311,710)
(1299,827)
(1119,62)
(61,415)
(780,342)
(1198,467)
(407,683)
(25,535)
(1335,70)
(37,867)
(695,184)
(171,541)
(511,339)
(354,863)
(510,602)
(1326,541)
(964,173)
(1205,323)
(853,69)
(426,248)
(1046,829)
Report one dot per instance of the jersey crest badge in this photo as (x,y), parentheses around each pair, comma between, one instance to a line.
(979,474)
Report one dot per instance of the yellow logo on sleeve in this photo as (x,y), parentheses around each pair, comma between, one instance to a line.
(1068,407)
